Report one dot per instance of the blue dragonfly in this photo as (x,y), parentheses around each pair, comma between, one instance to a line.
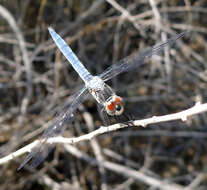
(104,95)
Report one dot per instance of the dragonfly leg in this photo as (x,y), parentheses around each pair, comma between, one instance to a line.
(130,119)
(103,115)
(126,119)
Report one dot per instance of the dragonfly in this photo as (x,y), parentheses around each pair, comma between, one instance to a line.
(105,96)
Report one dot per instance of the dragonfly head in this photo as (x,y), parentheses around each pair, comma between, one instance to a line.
(114,105)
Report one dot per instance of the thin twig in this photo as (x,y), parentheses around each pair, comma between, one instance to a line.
(126,15)
(8,16)
(124,171)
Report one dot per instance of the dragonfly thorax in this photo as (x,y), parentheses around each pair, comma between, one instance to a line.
(96,83)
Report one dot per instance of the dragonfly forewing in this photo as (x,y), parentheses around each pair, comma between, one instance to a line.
(70,56)
(137,60)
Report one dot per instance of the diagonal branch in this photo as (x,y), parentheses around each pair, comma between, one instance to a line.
(183,115)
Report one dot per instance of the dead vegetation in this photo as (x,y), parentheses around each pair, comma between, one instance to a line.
(36,82)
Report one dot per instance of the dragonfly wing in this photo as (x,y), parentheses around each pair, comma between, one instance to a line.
(70,56)
(38,153)
(131,62)
(59,124)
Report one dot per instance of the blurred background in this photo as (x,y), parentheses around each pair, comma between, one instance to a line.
(36,82)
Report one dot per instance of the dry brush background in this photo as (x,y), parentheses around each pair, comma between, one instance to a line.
(36,82)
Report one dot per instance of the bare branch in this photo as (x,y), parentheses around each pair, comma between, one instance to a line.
(183,115)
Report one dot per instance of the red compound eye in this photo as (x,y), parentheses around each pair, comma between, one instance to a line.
(115,106)
(111,106)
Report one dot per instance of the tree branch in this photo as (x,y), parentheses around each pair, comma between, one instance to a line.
(183,115)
